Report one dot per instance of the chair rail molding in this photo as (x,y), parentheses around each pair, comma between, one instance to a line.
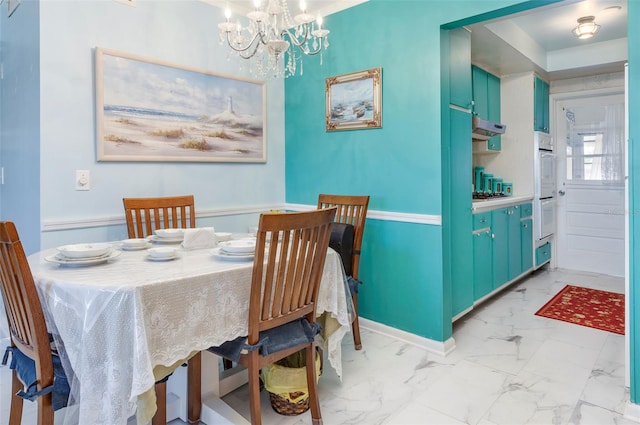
(384,215)
(104,221)
(83,223)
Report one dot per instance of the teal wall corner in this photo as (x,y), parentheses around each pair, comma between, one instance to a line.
(401,271)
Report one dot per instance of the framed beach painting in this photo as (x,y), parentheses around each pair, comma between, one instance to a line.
(148,110)
(354,101)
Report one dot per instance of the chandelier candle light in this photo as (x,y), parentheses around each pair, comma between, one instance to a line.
(272,42)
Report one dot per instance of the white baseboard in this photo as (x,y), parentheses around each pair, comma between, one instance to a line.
(632,412)
(437,347)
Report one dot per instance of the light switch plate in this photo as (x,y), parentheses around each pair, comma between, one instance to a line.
(83,180)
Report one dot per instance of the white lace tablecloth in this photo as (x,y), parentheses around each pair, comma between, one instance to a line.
(120,319)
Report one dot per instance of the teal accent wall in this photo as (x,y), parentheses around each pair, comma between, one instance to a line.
(401,274)
(20,120)
(633,91)
(398,165)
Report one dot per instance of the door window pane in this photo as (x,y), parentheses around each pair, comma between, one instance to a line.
(595,142)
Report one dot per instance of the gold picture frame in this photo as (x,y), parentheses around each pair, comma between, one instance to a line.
(354,101)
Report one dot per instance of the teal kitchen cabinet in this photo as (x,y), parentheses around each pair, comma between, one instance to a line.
(479,85)
(500,250)
(515,242)
(526,236)
(543,254)
(502,247)
(512,243)
(486,104)
(482,255)
(461,226)
(541,105)
(460,68)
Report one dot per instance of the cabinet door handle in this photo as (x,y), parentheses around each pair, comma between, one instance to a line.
(493,236)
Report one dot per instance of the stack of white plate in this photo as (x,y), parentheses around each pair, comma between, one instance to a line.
(238,249)
(223,236)
(169,236)
(83,254)
(163,253)
(134,244)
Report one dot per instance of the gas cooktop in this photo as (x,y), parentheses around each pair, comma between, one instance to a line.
(481,195)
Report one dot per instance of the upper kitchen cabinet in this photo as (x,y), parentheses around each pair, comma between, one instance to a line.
(460,68)
(486,94)
(486,104)
(541,105)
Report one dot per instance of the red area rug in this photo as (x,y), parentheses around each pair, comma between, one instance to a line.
(587,307)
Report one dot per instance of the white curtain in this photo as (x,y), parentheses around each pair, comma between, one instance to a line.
(612,163)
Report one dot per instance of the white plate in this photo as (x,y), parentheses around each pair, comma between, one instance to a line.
(169,233)
(62,260)
(238,246)
(220,254)
(135,248)
(223,236)
(134,244)
(151,258)
(163,252)
(84,250)
(157,239)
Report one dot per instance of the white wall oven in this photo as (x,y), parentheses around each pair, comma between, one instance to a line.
(544,205)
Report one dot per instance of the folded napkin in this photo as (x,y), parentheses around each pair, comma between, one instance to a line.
(198,238)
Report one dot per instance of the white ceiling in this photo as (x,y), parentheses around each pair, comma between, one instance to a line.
(541,40)
(538,40)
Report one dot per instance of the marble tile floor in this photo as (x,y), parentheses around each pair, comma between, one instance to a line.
(509,367)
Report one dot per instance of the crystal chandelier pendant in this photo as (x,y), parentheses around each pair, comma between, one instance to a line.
(272,41)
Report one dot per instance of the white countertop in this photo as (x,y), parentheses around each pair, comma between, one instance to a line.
(480,205)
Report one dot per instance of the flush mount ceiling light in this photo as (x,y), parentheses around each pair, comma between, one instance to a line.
(586,27)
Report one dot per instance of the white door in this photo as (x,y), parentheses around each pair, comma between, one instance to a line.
(590,140)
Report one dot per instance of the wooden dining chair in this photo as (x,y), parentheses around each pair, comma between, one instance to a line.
(287,269)
(144,215)
(37,372)
(351,210)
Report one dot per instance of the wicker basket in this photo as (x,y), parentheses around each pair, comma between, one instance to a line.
(285,407)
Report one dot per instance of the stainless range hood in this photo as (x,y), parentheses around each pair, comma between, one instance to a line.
(482,130)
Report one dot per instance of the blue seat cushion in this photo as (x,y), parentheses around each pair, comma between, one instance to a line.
(271,341)
(25,367)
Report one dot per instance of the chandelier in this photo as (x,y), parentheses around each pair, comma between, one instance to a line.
(586,28)
(272,42)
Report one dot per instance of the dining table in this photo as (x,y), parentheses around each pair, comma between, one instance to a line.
(124,322)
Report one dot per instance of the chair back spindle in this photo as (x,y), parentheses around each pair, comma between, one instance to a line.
(144,215)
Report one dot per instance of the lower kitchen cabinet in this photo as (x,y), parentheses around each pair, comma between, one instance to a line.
(526,234)
(482,263)
(543,254)
(503,251)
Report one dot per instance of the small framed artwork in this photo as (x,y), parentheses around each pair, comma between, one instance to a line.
(354,101)
(149,110)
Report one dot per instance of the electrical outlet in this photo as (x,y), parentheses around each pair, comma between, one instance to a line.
(83,180)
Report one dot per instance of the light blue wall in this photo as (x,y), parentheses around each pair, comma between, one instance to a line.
(20,119)
(62,96)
